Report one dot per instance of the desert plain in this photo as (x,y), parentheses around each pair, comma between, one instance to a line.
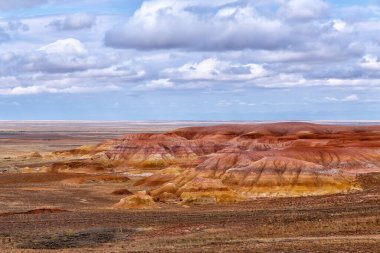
(189,186)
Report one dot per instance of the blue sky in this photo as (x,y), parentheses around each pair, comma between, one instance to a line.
(189,60)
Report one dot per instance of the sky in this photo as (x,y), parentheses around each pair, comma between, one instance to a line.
(189,60)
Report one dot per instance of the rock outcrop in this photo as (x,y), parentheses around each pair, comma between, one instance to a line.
(140,200)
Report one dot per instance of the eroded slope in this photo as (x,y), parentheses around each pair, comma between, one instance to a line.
(238,162)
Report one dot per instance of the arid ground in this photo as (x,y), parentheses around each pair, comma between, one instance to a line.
(318,189)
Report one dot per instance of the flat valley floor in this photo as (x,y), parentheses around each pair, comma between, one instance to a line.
(39,212)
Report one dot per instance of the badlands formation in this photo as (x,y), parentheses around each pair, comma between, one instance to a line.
(230,163)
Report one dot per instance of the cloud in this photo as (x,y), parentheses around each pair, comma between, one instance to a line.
(304,9)
(30,90)
(172,24)
(370,62)
(224,103)
(216,70)
(64,66)
(4,37)
(192,44)
(275,30)
(156,84)
(341,26)
(350,98)
(66,55)
(76,21)
(66,46)
(16,25)
(7,81)
(358,82)
(20,4)
(207,72)
(230,103)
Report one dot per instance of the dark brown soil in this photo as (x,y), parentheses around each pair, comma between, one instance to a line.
(37,178)
(122,192)
(336,223)
(36,211)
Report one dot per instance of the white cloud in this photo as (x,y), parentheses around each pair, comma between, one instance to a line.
(341,26)
(304,9)
(224,103)
(213,69)
(227,45)
(156,84)
(75,21)
(226,12)
(37,89)
(65,46)
(284,80)
(358,82)
(151,8)
(247,104)
(6,57)
(171,24)
(370,62)
(229,103)
(122,72)
(350,98)
(63,56)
